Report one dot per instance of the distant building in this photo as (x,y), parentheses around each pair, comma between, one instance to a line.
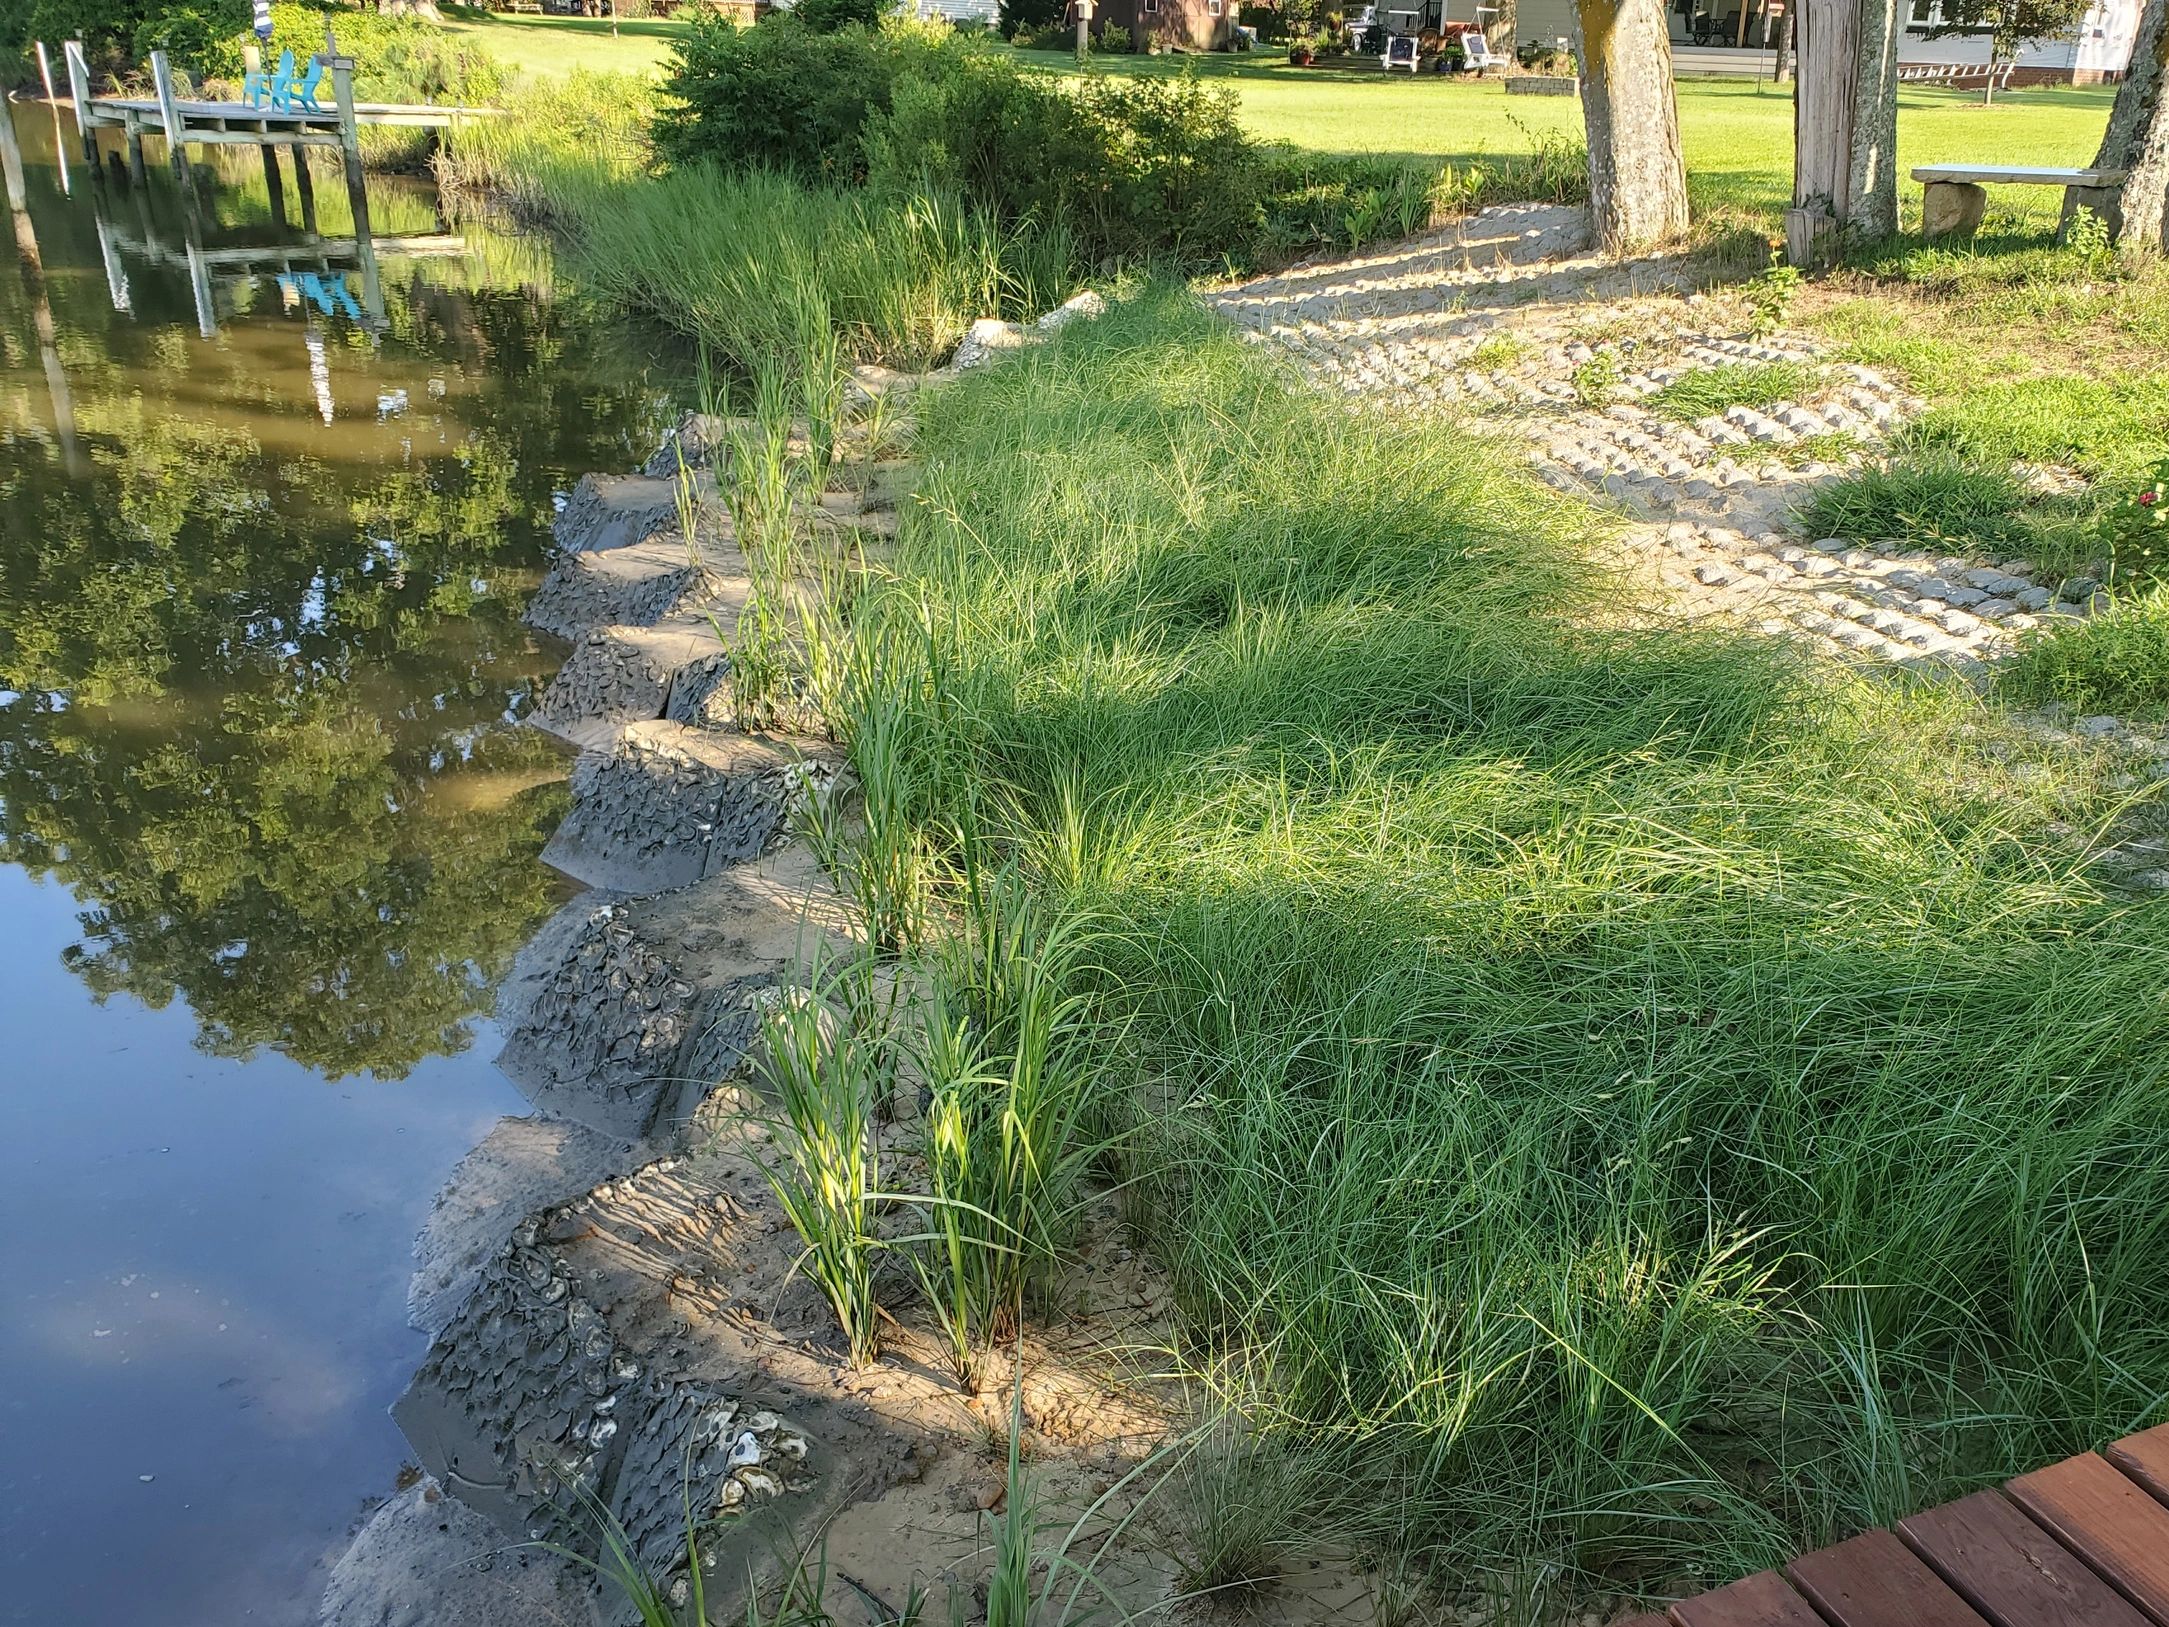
(1173,25)
(2099,50)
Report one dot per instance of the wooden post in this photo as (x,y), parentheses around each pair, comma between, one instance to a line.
(1822,128)
(305,185)
(132,132)
(79,88)
(273,186)
(169,112)
(45,70)
(357,193)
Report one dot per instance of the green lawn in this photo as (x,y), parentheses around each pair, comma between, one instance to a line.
(554,46)
(1738,133)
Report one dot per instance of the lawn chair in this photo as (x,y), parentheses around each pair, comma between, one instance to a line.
(1479,52)
(258,86)
(1400,52)
(303,97)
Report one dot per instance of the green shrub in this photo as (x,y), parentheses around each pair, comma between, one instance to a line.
(1130,169)
(828,16)
(1114,38)
(777,96)
(1014,16)
(2114,661)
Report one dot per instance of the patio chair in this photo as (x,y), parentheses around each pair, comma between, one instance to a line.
(1400,52)
(1479,52)
(302,98)
(258,86)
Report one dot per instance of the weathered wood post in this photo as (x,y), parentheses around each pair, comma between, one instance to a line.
(132,139)
(41,309)
(305,186)
(274,187)
(71,52)
(169,114)
(1822,129)
(342,91)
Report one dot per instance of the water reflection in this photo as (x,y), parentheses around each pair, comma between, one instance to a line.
(265,534)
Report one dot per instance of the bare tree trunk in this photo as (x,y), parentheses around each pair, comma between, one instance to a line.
(1499,32)
(1872,195)
(2137,141)
(1637,180)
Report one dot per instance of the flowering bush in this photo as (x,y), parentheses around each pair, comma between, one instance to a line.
(2138,544)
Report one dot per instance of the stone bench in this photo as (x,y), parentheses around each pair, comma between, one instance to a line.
(1956,195)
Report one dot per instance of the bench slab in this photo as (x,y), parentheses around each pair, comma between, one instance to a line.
(2016,175)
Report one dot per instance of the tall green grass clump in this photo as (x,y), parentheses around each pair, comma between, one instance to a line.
(1656,1104)
(1710,390)
(2114,661)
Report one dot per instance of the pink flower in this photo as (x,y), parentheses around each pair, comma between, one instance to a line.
(2150,497)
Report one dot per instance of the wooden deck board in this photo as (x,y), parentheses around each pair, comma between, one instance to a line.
(1876,1581)
(2108,1521)
(2145,1458)
(1761,1600)
(2010,1570)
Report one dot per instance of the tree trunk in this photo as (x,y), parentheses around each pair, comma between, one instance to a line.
(1637,180)
(1499,32)
(1872,195)
(2138,141)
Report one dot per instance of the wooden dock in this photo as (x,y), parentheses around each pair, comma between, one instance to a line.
(196,123)
(2082,1543)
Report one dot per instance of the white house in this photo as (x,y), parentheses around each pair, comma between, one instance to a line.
(2100,49)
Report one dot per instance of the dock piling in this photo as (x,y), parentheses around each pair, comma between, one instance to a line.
(273,185)
(71,52)
(169,113)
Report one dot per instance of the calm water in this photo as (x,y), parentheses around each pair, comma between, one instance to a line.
(267,840)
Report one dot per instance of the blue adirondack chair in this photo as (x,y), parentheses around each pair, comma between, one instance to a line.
(303,97)
(257,86)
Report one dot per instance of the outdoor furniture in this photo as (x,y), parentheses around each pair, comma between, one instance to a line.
(257,86)
(302,98)
(1955,195)
(1479,51)
(1400,52)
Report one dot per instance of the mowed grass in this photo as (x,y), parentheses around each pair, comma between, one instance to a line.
(553,47)
(1626,1105)
(1737,134)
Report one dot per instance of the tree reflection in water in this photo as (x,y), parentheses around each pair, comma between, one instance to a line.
(260,674)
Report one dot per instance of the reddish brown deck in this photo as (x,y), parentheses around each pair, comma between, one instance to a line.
(2082,1543)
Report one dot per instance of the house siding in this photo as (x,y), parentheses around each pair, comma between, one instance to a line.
(1175,25)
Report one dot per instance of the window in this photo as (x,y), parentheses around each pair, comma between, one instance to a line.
(1212,8)
(1152,5)
(1924,12)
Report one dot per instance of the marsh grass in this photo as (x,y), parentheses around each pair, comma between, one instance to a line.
(731,258)
(825,1075)
(1665,1105)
